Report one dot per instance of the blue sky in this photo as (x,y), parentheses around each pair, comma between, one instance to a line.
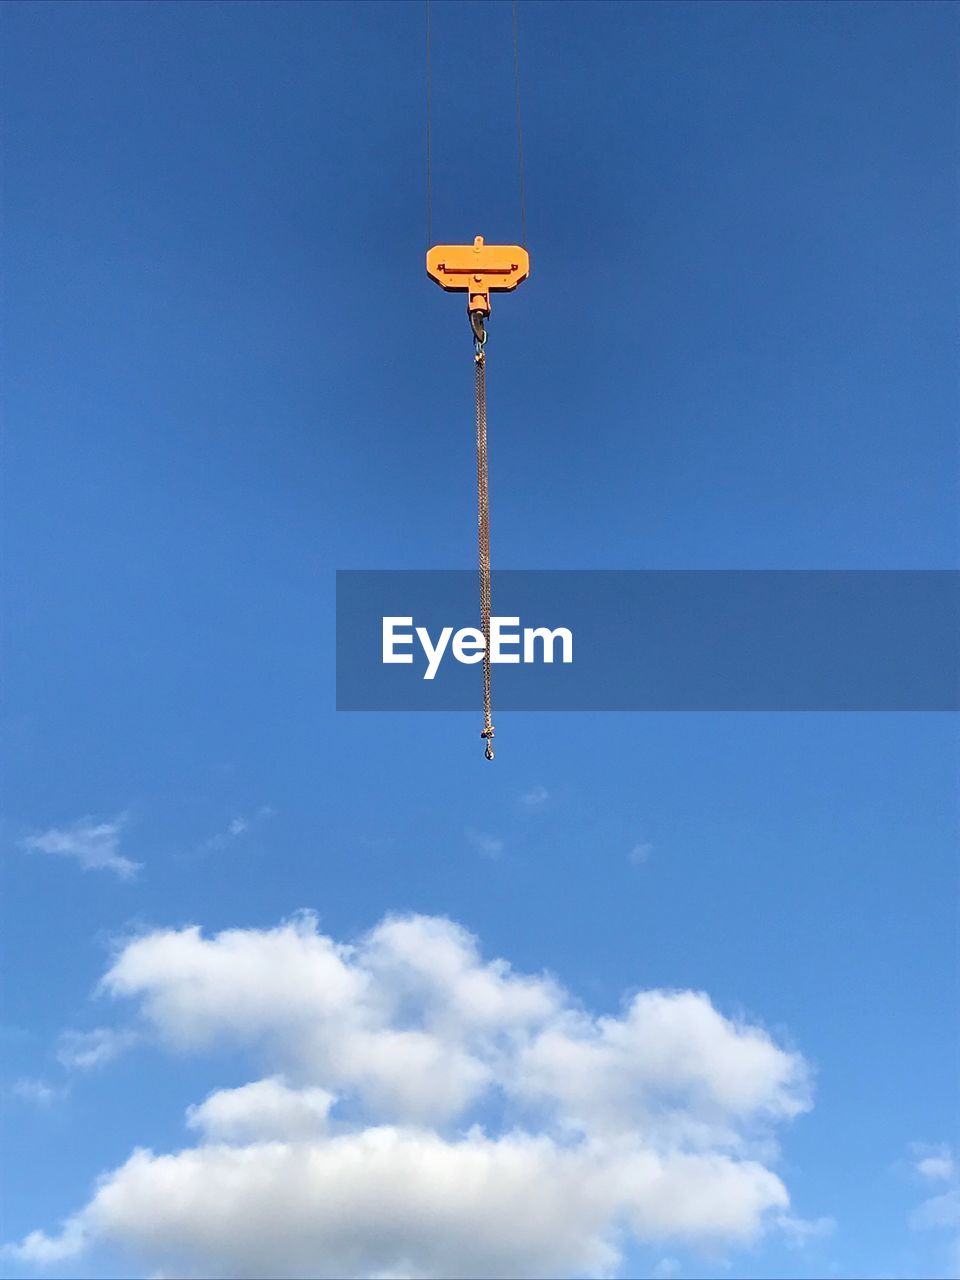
(227,376)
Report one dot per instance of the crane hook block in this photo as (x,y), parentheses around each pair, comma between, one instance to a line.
(478,270)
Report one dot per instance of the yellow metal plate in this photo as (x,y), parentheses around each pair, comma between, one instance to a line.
(478,267)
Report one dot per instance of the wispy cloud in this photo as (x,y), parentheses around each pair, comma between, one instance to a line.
(666,1269)
(487,845)
(238,826)
(800,1231)
(37,1092)
(83,1050)
(935,1164)
(535,797)
(937,1168)
(639,854)
(94,845)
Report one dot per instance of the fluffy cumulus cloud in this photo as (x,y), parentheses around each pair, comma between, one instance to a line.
(430,1113)
(265,1109)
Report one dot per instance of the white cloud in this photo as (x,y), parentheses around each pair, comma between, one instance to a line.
(639,854)
(800,1231)
(366,1156)
(38,1092)
(935,1165)
(487,845)
(266,1109)
(939,1212)
(43,1250)
(535,797)
(670,1064)
(407,1202)
(95,845)
(86,1049)
(237,826)
(666,1269)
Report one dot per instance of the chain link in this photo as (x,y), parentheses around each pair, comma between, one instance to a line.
(483,525)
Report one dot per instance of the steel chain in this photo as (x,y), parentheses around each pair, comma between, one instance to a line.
(483,524)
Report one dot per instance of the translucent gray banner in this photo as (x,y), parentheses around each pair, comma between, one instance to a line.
(690,640)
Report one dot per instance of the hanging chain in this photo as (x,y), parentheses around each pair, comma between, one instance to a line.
(480,337)
(483,525)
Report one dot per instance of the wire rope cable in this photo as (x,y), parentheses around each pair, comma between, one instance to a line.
(521,172)
(429,130)
(516,83)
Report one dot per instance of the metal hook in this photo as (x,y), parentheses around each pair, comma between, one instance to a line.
(476,324)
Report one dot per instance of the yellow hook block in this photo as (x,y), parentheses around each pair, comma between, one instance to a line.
(478,270)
